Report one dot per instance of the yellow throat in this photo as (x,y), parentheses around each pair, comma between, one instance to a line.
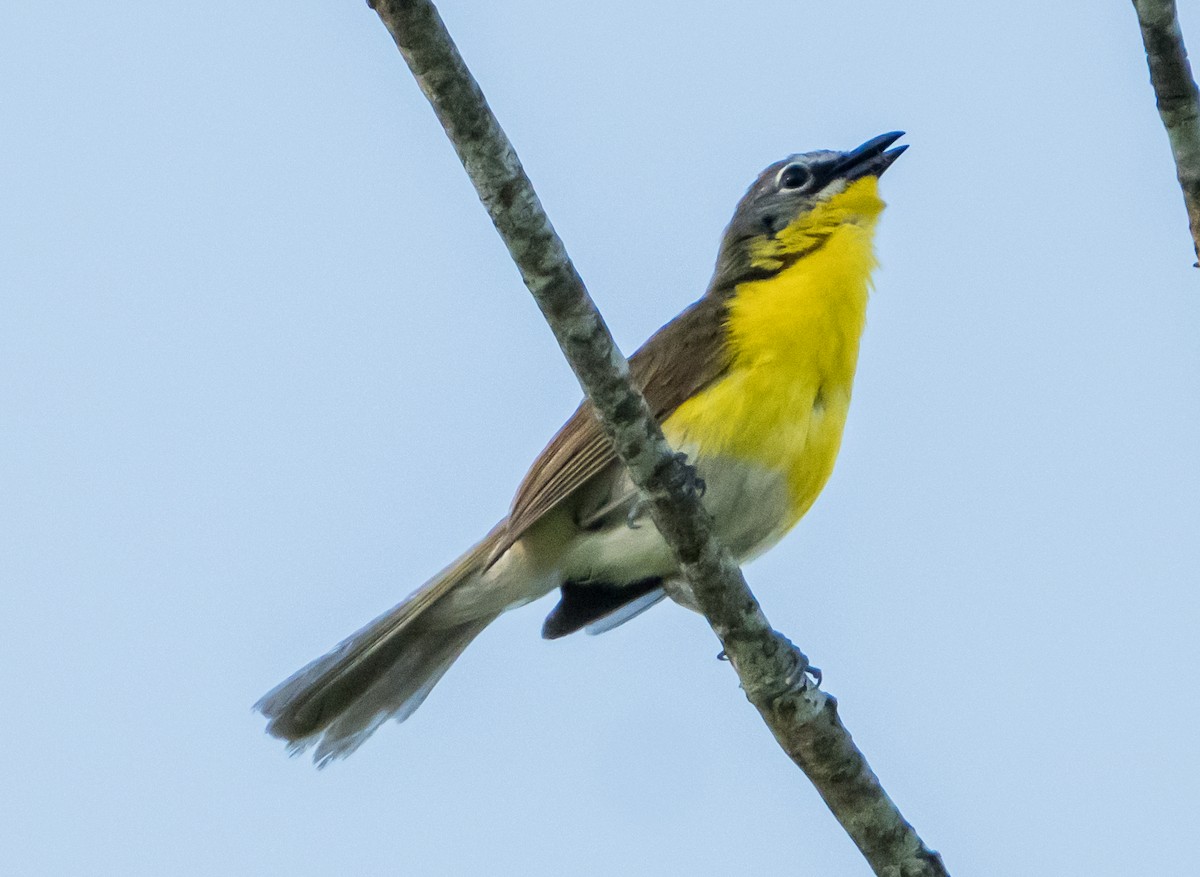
(793,339)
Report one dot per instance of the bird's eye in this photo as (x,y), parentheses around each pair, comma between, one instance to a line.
(794,176)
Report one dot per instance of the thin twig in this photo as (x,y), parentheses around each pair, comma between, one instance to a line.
(1177,97)
(773,672)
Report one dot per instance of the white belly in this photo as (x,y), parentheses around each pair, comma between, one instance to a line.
(749,505)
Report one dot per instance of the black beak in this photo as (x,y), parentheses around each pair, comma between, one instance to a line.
(870,159)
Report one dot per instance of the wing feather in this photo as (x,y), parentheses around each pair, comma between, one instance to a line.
(680,359)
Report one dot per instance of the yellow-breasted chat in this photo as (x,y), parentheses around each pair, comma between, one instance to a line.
(752,382)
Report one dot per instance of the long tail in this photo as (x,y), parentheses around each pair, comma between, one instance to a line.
(383,671)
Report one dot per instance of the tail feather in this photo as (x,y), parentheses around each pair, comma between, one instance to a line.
(383,671)
(397,693)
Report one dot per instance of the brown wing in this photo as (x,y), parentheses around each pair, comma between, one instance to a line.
(679,359)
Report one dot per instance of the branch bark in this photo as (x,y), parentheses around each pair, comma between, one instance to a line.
(1177,97)
(773,672)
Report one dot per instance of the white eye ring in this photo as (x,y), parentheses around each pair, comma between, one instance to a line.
(793,176)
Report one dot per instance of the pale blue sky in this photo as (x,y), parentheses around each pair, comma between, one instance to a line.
(265,366)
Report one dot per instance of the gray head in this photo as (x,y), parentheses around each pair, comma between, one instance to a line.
(789,194)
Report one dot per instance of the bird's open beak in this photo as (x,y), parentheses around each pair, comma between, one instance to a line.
(872,158)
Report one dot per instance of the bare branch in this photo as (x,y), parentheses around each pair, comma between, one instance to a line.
(1177,97)
(773,672)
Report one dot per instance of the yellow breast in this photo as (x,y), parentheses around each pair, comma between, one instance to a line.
(794,341)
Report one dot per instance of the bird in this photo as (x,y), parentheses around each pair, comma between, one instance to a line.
(752,382)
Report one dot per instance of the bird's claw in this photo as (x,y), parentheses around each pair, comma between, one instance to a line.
(693,482)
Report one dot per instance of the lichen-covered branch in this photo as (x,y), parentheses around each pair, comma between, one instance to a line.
(1177,97)
(774,673)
